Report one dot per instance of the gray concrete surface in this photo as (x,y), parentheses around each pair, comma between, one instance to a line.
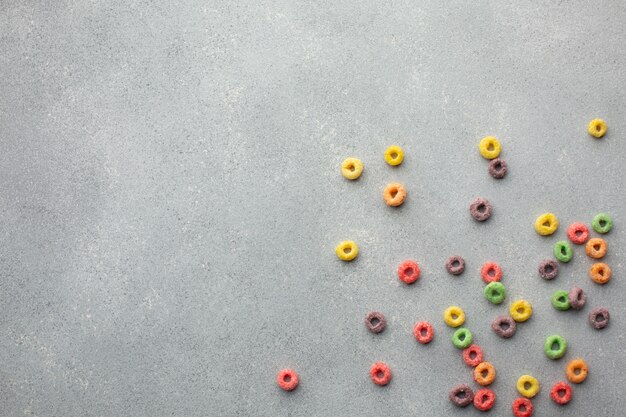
(171,199)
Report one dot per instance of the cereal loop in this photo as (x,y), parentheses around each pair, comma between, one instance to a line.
(351,168)
(563,251)
(481,209)
(287,379)
(455,265)
(548,269)
(504,326)
(600,273)
(423,332)
(462,338)
(527,386)
(394,194)
(561,393)
(494,292)
(489,147)
(375,322)
(347,250)
(577,371)
(497,168)
(473,355)
(461,395)
(596,248)
(599,318)
(559,300)
(578,233)
(576,298)
(409,272)
(394,155)
(546,224)
(484,399)
(555,346)
(380,373)
(522,407)
(484,374)
(454,316)
(521,310)
(596,128)
(602,223)
(491,272)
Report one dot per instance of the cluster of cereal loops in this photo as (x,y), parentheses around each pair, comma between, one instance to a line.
(287,379)
(489,147)
(480,209)
(597,128)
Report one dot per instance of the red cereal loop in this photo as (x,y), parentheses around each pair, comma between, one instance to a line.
(578,233)
(522,407)
(484,399)
(287,379)
(423,332)
(409,272)
(491,272)
(473,355)
(561,393)
(380,373)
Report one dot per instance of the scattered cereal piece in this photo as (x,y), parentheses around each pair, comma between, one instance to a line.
(287,379)
(548,269)
(546,224)
(484,399)
(576,298)
(454,316)
(491,272)
(489,147)
(527,386)
(394,155)
(494,292)
(380,373)
(351,168)
(394,194)
(561,393)
(577,371)
(504,326)
(522,407)
(578,233)
(455,265)
(347,250)
(560,301)
(596,248)
(423,332)
(375,322)
(597,128)
(497,168)
(480,209)
(462,338)
(602,223)
(473,355)
(409,272)
(555,346)
(521,310)
(563,251)
(484,373)
(600,273)
(599,318)
(461,395)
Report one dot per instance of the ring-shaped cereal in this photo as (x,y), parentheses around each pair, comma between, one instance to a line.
(555,346)
(394,194)
(504,326)
(560,300)
(462,338)
(596,128)
(423,332)
(602,223)
(494,292)
(472,355)
(577,371)
(484,374)
(521,310)
(480,209)
(548,269)
(497,168)
(546,224)
(409,272)
(522,407)
(351,168)
(563,251)
(576,298)
(527,386)
(561,393)
(484,399)
(394,155)
(599,318)
(461,395)
(596,248)
(347,250)
(489,147)
(578,233)
(375,322)
(455,265)
(491,272)
(454,316)
(287,379)
(600,273)
(380,373)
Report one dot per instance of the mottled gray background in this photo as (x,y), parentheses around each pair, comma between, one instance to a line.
(171,199)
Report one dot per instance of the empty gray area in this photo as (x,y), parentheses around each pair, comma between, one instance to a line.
(171,199)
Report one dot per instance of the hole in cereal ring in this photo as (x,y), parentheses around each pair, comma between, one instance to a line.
(484,373)
(520,310)
(577,371)
(472,355)
(490,146)
(579,233)
(522,407)
(491,272)
(375,321)
(481,208)
(423,332)
(347,249)
(462,336)
(379,374)
(596,246)
(455,316)
(546,223)
(598,127)
(561,393)
(461,394)
(455,263)
(527,385)
(409,271)
(394,155)
(351,167)
(287,378)
(549,268)
(555,345)
(563,250)
(600,317)
(393,192)
(504,325)
(602,223)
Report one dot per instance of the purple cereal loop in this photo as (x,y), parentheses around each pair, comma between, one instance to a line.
(577,298)
(461,395)
(599,318)
(375,322)
(480,209)
(504,326)
(455,269)
(548,269)
(497,168)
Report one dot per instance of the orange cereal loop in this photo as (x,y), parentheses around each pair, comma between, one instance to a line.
(394,194)
(577,371)
(484,373)
(596,248)
(600,273)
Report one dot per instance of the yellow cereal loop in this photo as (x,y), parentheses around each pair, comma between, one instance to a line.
(347,250)
(546,224)
(489,147)
(597,128)
(521,310)
(394,155)
(351,168)
(454,316)
(527,386)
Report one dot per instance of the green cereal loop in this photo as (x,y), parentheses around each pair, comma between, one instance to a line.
(462,338)
(599,219)
(563,251)
(560,301)
(559,351)
(495,293)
